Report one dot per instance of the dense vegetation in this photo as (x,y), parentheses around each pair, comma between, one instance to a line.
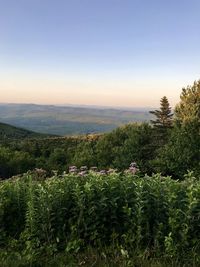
(169,146)
(122,217)
(128,217)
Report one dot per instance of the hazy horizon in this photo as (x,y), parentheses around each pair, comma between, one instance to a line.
(81,105)
(99,53)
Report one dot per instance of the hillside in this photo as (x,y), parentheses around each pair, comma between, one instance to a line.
(69,120)
(11,132)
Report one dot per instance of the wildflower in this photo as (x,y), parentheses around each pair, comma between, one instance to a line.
(133,168)
(103,172)
(73,169)
(82,173)
(111,171)
(133,164)
(55,172)
(83,168)
(94,169)
(40,172)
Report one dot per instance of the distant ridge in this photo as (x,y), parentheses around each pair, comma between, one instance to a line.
(8,131)
(70,120)
(67,105)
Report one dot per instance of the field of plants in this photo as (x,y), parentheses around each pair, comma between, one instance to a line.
(100,220)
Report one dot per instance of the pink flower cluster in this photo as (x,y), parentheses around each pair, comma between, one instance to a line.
(133,168)
(84,170)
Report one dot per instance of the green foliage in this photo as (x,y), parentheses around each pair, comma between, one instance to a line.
(85,154)
(125,144)
(182,152)
(188,110)
(116,149)
(161,148)
(135,147)
(146,217)
(163,116)
(53,153)
(57,159)
(162,125)
(14,162)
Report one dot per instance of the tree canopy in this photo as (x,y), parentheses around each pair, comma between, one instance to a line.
(188,109)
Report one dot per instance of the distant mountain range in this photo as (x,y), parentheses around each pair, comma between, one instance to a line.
(69,120)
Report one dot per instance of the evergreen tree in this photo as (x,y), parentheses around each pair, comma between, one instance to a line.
(163,116)
(182,152)
(161,124)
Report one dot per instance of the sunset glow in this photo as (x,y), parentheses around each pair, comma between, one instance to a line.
(97,52)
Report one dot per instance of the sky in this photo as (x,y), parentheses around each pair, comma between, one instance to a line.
(98,52)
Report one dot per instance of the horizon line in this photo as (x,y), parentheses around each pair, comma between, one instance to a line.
(80,105)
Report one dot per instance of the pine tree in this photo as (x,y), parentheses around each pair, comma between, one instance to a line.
(162,124)
(163,116)
(182,151)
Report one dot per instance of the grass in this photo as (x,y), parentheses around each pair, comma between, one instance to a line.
(93,258)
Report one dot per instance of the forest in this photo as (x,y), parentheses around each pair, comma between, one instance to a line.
(130,197)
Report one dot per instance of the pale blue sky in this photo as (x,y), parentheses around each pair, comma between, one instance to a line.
(104,52)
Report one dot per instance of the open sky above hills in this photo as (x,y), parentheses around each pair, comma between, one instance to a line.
(108,52)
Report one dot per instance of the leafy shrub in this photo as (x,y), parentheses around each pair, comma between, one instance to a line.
(150,216)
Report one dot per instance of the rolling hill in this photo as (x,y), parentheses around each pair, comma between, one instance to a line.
(69,120)
(11,132)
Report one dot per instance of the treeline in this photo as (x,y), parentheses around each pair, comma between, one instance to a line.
(170,144)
